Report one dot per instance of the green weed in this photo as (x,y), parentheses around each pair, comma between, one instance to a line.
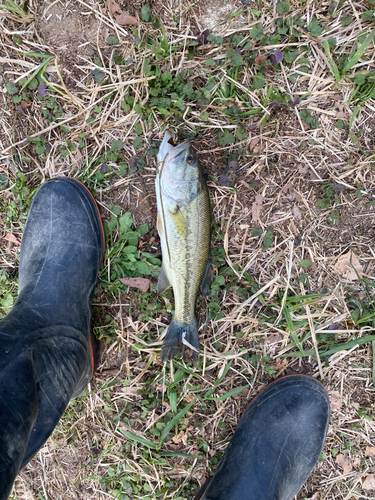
(8,292)
(126,260)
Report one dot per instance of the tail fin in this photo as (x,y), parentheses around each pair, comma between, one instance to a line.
(182,339)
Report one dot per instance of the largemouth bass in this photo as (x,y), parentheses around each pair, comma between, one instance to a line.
(184,226)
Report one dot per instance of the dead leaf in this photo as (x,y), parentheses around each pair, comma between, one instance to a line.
(13,239)
(125,20)
(253,143)
(370,451)
(140,283)
(345,264)
(305,125)
(342,114)
(335,400)
(181,437)
(292,193)
(344,462)
(189,397)
(257,207)
(273,338)
(241,394)
(356,462)
(293,228)
(113,6)
(128,390)
(259,59)
(369,483)
(277,218)
(119,16)
(281,364)
(296,213)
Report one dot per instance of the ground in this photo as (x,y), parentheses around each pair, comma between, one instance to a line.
(278,99)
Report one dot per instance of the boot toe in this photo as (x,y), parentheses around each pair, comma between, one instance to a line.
(62,246)
(276,444)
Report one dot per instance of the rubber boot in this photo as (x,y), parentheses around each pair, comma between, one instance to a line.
(46,344)
(276,444)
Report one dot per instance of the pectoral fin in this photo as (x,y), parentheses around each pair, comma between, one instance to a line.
(207,280)
(163,282)
(179,222)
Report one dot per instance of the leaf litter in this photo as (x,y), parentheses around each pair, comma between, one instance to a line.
(119,16)
(142,284)
(345,463)
(349,266)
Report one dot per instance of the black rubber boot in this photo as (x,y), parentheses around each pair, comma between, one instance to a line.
(276,444)
(46,345)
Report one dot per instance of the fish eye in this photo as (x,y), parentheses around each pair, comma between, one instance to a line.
(190,159)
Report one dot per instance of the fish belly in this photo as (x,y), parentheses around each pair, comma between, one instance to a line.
(185,247)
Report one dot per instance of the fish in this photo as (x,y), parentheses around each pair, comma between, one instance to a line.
(184,227)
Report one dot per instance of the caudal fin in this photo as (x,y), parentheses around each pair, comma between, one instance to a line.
(181,339)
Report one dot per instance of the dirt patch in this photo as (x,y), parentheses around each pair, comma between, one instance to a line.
(215,12)
(74,34)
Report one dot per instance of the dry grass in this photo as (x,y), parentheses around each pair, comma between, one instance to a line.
(314,182)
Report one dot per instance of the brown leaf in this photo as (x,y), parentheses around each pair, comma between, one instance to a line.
(281,364)
(345,264)
(241,394)
(344,462)
(293,228)
(253,142)
(273,338)
(128,390)
(293,194)
(259,59)
(140,283)
(370,451)
(13,239)
(335,400)
(369,483)
(257,207)
(119,16)
(126,20)
(181,437)
(356,462)
(342,114)
(296,213)
(113,6)
(305,125)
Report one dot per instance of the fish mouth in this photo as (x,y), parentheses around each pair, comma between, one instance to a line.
(175,153)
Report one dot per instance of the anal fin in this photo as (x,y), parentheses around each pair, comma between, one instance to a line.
(208,277)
